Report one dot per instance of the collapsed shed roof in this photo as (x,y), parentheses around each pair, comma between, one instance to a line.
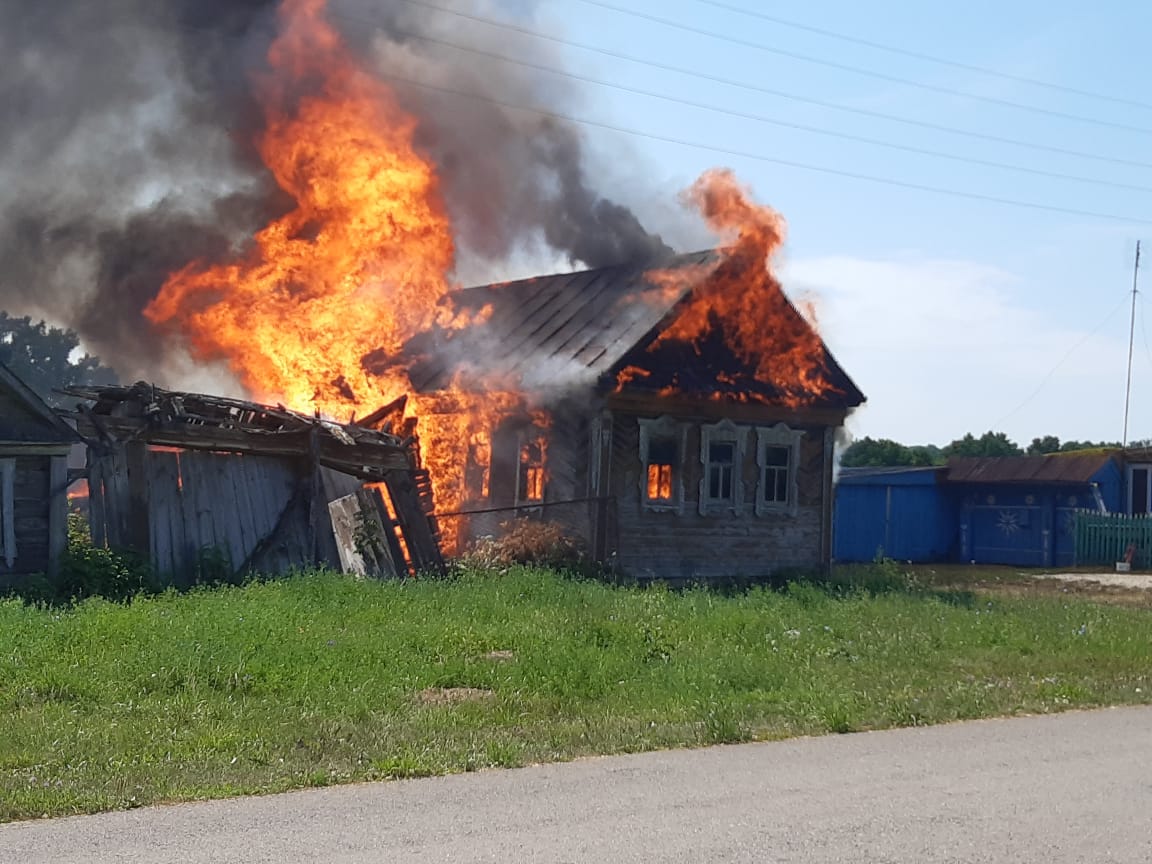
(196,421)
(585,326)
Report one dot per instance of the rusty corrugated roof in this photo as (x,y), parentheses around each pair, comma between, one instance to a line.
(1056,468)
(569,326)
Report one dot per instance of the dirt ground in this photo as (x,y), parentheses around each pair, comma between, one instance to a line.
(1129,589)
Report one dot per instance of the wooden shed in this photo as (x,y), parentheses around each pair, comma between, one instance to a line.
(206,486)
(34,445)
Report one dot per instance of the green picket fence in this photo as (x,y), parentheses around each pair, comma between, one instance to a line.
(1103,539)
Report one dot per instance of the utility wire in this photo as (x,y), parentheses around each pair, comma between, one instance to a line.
(761,118)
(871,73)
(930,58)
(836,172)
(1123,301)
(755,88)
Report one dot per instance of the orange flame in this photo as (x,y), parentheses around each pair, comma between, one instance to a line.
(742,300)
(317,314)
(659,482)
(359,263)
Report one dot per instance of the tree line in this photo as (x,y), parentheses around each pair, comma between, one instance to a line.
(884,452)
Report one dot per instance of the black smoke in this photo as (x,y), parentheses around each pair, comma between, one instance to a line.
(126,149)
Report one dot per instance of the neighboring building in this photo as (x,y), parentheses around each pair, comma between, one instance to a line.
(1018,510)
(671,461)
(34,446)
(897,513)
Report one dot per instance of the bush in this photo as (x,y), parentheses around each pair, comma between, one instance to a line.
(525,541)
(90,571)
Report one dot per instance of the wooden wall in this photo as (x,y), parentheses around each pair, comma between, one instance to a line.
(38,510)
(195,512)
(684,545)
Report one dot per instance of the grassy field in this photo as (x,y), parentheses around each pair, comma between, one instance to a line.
(321,679)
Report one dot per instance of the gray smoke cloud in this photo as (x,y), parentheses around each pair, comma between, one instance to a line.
(126,151)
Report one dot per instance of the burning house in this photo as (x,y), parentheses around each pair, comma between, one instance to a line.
(649,428)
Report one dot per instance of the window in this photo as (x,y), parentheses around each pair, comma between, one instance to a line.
(721,470)
(774,474)
(661,449)
(7,514)
(662,458)
(722,455)
(777,457)
(530,477)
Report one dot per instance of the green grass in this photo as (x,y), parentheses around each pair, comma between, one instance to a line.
(321,679)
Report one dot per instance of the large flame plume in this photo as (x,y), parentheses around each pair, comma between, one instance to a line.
(359,263)
(740,302)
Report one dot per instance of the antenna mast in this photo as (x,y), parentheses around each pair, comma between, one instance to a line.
(1131,342)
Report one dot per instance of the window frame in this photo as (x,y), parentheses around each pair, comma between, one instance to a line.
(724,432)
(783,436)
(527,438)
(664,427)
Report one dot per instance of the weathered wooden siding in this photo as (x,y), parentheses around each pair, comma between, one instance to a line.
(207,512)
(31,513)
(685,545)
(19,423)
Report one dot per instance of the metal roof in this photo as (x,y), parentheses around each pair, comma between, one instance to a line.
(891,472)
(569,327)
(1053,469)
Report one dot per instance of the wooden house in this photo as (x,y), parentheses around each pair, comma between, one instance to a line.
(34,446)
(668,460)
(206,487)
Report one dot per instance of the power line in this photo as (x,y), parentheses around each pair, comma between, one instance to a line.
(930,58)
(877,142)
(858,70)
(755,88)
(1063,360)
(920,187)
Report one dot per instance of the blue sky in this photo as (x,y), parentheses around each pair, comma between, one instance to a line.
(953,315)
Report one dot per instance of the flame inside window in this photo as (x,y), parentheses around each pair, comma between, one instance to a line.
(660,482)
(661,469)
(532,471)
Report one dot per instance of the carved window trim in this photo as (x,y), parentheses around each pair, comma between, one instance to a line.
(780,435)
(715,433)
(666,428)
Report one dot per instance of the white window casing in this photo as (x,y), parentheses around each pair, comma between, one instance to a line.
(722,448)
(777,461)
(656,435)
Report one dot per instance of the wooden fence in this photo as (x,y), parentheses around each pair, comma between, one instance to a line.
(1104,539)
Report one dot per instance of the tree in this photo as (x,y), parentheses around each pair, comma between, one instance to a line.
(988,444)
(1047,444)
(883,452)
(46,358)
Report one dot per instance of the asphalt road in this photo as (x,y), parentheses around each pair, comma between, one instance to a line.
(1073,787)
